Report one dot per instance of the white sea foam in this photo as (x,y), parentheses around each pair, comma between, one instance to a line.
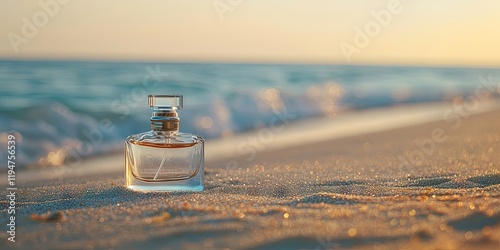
(56,108)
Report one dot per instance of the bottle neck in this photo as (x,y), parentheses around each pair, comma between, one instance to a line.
(165,120)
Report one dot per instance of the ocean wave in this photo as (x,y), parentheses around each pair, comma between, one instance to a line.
(64,112)
(52,133)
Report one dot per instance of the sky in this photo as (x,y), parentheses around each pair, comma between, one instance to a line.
(395,32)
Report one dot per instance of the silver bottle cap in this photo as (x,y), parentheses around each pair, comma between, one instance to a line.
(164,108)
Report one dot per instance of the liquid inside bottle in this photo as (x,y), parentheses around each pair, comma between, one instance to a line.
(164,159)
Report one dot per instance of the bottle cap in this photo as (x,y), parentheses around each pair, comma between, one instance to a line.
(165,102)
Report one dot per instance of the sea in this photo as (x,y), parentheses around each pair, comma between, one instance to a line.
(56,109)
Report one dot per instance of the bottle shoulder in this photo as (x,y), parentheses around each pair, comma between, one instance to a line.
(155,137)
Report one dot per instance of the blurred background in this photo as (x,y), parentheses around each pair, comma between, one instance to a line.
(75,74)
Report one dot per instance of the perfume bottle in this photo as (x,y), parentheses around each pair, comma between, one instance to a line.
(164,159)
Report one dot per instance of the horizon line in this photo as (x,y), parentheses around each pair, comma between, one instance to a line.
(245,62)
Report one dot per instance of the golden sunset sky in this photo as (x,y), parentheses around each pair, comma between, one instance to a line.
(425,32)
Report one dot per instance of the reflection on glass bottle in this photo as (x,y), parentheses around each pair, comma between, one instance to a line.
(164,159)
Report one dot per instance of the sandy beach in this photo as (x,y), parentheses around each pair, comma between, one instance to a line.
(332,125)
(434,185)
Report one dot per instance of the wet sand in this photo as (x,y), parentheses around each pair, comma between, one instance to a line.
(382,190)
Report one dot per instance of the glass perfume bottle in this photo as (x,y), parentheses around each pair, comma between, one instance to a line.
(164,159)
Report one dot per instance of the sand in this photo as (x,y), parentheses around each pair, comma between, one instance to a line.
(378,190)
